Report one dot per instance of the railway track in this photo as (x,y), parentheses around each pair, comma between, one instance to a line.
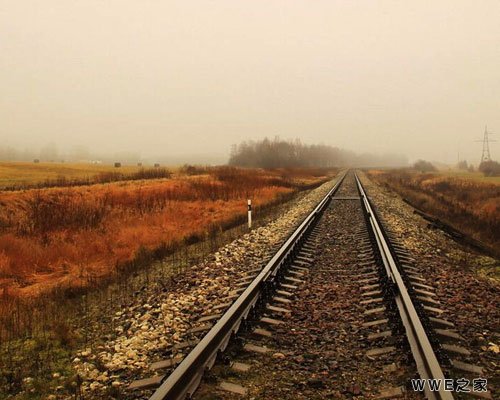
(401,313)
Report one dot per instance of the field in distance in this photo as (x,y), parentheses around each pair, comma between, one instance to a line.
(27,174)
(466,175)
(68,236)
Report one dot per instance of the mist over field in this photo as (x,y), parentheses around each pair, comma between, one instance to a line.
(180,81)
(267,153)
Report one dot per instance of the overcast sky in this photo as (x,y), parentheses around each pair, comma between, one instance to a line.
(162,77)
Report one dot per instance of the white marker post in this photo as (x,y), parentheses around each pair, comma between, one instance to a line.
(249,214)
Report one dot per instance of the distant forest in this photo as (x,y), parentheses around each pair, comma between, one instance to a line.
(278,153)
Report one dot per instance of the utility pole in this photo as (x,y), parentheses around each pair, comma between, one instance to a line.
(486,156)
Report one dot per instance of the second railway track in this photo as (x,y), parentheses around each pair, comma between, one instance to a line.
(339,311)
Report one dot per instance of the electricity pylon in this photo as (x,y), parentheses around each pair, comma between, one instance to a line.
(486,156)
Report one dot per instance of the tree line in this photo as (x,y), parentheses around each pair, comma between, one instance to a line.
(278,153)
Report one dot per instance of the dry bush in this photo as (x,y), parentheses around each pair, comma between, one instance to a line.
(424,166)
(188,169)
(49,211)
(490,168)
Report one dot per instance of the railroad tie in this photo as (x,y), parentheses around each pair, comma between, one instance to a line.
(451,348)
(282,300)
(271,321)
(237,292)
(185,345)
(443,322)
(390,393)
(280,310)
(233,388)
(419,280)
(294,280)
(300,269)
(146,383)
(371,301)
(222,306)
(373,293)
(252,348)
(380,351)
(212,317)
(284,293)
(370,324)
(422,285)
(288,286)
(369,280)
(434,310)
(262,332)
(373,311)
(428,300)
(240,367)
(231,297)
(473,369)
(379,335)
(164,364)
(201,328)
(448,334)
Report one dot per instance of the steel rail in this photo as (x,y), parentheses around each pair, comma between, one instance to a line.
(184,380)
(425,358)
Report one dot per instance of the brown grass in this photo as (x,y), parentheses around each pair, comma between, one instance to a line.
(70,236)
(470,205)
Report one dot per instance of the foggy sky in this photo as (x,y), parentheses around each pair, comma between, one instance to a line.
(163,77)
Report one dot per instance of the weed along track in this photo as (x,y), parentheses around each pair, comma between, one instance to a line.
(339,309)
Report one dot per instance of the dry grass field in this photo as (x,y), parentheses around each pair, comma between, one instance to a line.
(27,175)
(67,236)
(467,201)
(466,175)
